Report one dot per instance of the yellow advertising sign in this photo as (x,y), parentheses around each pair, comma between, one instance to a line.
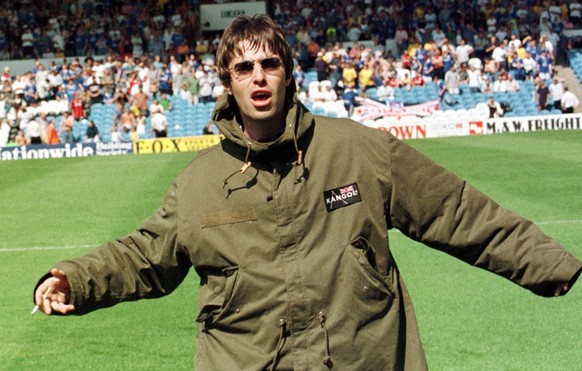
(167,145)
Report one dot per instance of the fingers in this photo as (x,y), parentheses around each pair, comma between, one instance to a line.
(54,294)
(561,289)
(61,307)
(59,274)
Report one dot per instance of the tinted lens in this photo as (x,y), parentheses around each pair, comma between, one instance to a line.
(270,64)
(243,69)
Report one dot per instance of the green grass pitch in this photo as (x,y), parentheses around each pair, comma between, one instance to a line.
(469,319)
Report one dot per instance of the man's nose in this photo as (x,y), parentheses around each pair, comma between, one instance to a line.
(258,72)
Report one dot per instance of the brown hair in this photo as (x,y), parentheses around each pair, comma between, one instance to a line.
(261,32)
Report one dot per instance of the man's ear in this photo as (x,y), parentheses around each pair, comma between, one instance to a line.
(288,81)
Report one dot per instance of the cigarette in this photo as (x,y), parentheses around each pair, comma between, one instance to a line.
(44,296)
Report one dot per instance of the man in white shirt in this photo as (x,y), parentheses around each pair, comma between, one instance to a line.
(512,85)
(500,85)
(464,50)
(569,101)
(557,92)
(33,131)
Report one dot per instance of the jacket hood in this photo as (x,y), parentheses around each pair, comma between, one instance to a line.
(298,120)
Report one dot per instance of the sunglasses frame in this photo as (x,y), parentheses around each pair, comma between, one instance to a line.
(244,69)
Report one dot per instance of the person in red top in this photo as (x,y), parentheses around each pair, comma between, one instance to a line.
(406,61)
(77,107)
(417,80)
(52,137)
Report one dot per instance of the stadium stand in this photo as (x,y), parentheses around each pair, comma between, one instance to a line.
(141,49)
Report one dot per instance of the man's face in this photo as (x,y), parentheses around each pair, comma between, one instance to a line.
(260,96)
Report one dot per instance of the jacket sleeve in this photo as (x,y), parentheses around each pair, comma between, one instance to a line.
(147,263)
(435,207)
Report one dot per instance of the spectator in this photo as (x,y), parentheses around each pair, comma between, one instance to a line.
(512,84)
(206,85)
(529,67)
(440,87)
(208,129)
(320,66)
(452,81)
(140,100)
(569,101)
(92,133)
(542,95)
(349,75)
(33,131)
(474,79)
(349,98)
(21,139)
(385,92)
(366,77)
(499,55)
(218,90)
(77,107)
(165,102)
(401,40)
(417,80)
(51,133)
(159,124)
(464,52)
(500,84)
(67,124)
(544,63)
(556,92)
(127,121)
(299,76)
(495,109)
(115,135)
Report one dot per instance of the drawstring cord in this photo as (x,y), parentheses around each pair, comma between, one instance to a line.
(299,154)
(327,360)
(247,164)
(243,169)
(280,344)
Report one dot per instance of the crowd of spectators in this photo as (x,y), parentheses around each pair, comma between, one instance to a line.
(485,45)
(155,51)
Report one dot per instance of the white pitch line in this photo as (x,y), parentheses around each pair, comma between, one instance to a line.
(45,248)
(574,221)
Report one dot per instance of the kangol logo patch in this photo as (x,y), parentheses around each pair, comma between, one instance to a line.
(342,196)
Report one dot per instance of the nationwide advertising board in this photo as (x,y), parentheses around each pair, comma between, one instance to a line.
(64,150)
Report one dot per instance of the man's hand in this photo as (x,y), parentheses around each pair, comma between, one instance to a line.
(561,289)
(58,299)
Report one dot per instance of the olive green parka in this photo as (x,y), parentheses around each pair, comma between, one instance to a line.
(292,249)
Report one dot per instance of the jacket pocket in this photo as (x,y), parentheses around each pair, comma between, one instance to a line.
(374,283)
(220,288)
(232,216)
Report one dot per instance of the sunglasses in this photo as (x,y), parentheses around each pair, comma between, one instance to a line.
(244,69)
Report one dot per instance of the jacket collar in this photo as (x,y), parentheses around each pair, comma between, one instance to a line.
(298,121)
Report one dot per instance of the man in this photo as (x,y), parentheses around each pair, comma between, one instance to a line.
(542,95)
(294,264)
(67,124)
(159,122)
(556,92)
(52,137)
(33,130)
(569,101)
